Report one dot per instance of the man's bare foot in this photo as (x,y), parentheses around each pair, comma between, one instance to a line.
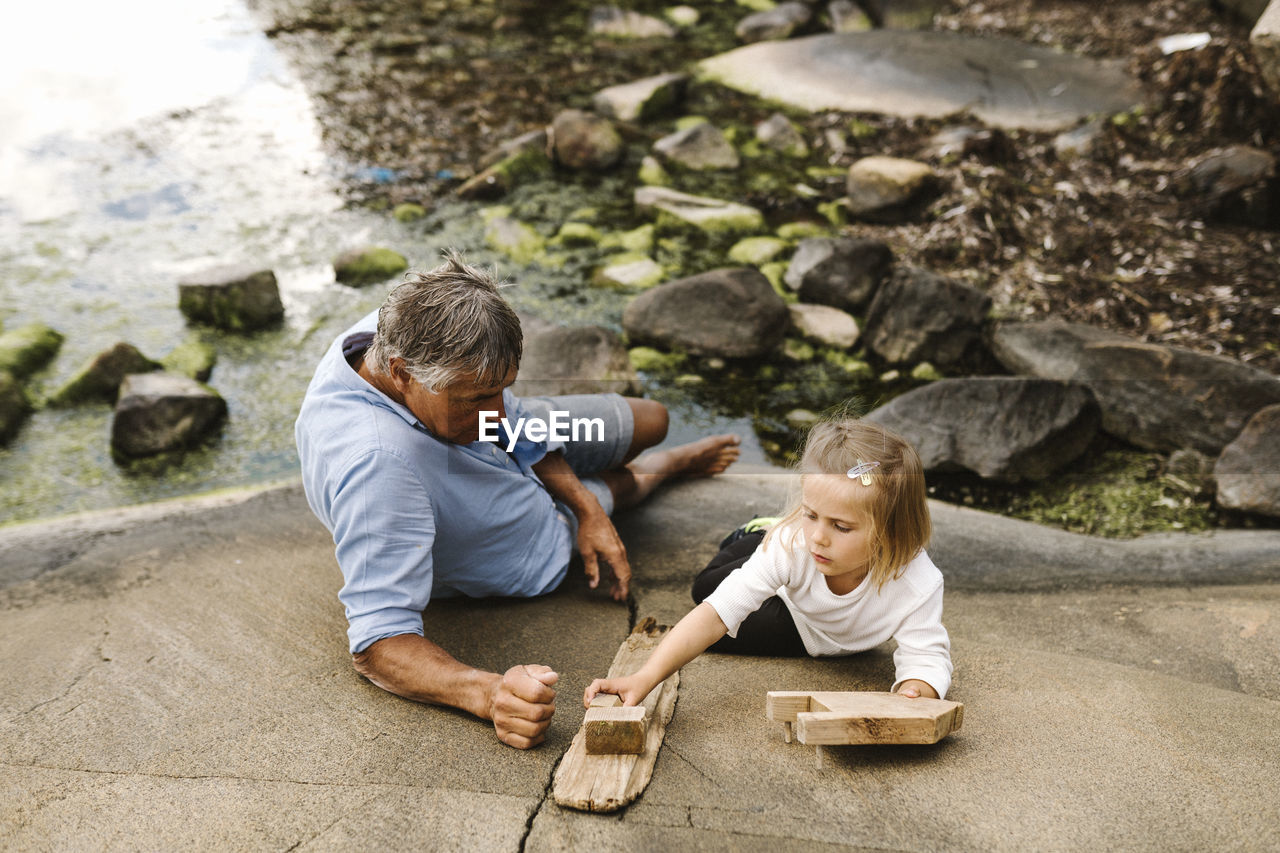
(702,458)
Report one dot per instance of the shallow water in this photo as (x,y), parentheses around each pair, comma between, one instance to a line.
(127,160)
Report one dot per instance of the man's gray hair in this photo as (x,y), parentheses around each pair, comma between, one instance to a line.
(448,324)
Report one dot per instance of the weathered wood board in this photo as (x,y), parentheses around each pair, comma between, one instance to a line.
(607,782)
(856,717)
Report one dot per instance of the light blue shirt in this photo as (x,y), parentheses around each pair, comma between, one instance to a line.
(413,516)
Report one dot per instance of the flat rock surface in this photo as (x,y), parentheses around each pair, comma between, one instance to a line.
(923,73)
(176,676)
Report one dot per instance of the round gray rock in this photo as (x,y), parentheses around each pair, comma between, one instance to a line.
(732,313)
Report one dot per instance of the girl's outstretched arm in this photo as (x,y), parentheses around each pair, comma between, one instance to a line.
(700,627)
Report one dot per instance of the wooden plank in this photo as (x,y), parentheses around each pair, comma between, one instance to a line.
(607,782)
(863,717)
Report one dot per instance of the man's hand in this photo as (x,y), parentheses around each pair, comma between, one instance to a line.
(598,540)
(915,688)
(522,703)
(630,689)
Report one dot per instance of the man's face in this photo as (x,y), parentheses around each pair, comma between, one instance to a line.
(453,413)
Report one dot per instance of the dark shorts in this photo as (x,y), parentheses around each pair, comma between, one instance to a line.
(770,630)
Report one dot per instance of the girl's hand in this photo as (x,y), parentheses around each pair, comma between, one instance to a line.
(915,688)
(629,689)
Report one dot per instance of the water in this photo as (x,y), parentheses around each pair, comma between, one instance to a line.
(132,153)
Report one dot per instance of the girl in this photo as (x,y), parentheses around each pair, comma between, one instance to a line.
(843,571)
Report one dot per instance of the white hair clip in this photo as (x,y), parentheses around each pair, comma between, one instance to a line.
(863,470)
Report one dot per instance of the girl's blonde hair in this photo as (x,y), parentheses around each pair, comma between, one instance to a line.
(898,510)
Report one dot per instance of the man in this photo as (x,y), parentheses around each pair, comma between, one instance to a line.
(408,460)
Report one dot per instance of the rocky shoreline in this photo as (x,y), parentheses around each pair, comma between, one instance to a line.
(765,255)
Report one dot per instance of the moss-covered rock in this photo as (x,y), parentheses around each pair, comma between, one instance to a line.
(99,379)
(652,173)
(776,272)
(632,270)
(798,350)
(28,348)
(650,360)
(795,231)
(523,165)
(237,298)
(577,234)
(14,406)
(368,265)
(925,372)
(713,216)
(517,240)
(636,240)
(757,251)
(408,212)
(193,358)
(853,367)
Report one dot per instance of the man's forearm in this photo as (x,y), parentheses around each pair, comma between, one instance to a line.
(563,485)
(416,668)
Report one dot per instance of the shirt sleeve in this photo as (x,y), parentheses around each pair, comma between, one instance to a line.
(383,530)
(747,587)
(924,648)
(527,453)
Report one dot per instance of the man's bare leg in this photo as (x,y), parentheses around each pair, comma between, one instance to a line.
(705,457)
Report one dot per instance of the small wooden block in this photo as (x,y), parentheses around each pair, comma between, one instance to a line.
(615,731)
(863,717)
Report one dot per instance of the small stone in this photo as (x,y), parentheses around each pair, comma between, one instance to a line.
(193,358)
(408,212)
(757,251)
(925,372)
(652,173)
(368,265)
(625,24)
(797,350)
(801,419)
(650,360)
(517,240)
(14,406)
(878,185)
(100,378)
(159,412)
(28,348)
(630,271)
(780,134)
(682,16)
(577,234)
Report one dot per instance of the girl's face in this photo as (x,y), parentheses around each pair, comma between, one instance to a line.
(837,528)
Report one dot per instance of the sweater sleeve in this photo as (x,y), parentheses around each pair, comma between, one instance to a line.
(924,648)
(746,588)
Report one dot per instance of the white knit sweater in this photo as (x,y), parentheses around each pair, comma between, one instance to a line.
(907,609)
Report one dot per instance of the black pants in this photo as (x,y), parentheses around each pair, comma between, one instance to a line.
(768,631)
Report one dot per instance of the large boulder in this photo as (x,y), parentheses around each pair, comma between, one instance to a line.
(700,147)
(28,348)
(641,100)
(842,272)
(100,378)
(236,298)
(368,265)
(585,141)
(707,214)
(575,360)
(1248,471)
(731,313)
(158,412)
(1154,396)
(1001,81)
(918,315)
(14,406)
(1004,428)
